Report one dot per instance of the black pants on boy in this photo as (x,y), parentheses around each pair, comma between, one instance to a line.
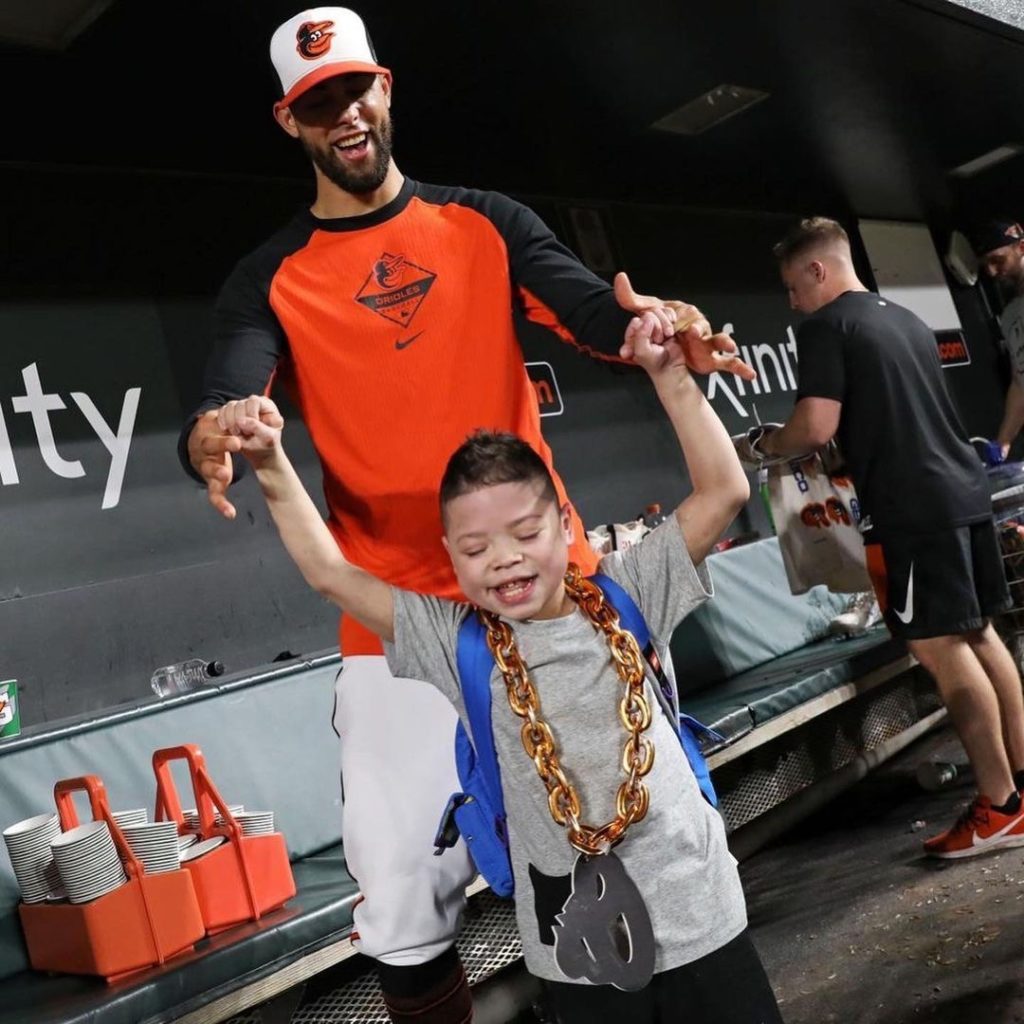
(728,986)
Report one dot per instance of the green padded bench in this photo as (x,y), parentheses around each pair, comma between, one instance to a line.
(737,706)
(793,706)
(317,918)
(757,652)
(268,743)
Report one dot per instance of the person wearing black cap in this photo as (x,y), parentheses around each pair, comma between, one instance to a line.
(1000,249)
(388,306)
(870,376)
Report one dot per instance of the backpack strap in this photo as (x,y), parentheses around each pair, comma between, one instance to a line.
(688,728)
(475,663)
(477,812)
(631,618)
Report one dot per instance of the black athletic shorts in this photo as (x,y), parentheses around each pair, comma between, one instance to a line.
(939,584)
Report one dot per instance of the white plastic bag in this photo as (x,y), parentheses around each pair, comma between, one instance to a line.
(816,514)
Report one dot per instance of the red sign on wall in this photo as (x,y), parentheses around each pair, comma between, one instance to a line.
(549,397)
(952,348)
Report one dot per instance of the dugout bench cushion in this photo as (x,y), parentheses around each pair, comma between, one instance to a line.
(738,705)
(320,913)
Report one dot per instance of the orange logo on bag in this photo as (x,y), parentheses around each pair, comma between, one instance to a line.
(814,514)
(818,514)
(314,39)
(837,511)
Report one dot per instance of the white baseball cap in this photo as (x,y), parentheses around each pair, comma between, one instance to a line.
(318,44)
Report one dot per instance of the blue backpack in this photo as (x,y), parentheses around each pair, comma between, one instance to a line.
(477,813)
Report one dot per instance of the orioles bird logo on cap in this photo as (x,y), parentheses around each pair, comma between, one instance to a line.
(314,39)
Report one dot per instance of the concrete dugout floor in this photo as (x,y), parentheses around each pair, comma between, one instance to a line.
(856,926)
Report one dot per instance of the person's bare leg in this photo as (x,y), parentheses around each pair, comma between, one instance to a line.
(1002,671)
(973,707)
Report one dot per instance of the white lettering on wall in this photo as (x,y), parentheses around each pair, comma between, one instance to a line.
(117,444)
(8,470)
(773,366)
(39,406)
(36,403)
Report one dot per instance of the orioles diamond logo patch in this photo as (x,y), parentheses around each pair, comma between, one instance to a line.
(395,288)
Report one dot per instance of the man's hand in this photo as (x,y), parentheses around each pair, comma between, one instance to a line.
(211,444)
(704,351)
(209,451)
(749,448)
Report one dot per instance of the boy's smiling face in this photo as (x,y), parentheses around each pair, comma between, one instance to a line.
(509,545)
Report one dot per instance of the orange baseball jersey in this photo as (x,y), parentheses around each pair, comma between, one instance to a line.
(394,334)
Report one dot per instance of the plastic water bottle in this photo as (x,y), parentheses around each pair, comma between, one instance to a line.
(934,775)
(184,676)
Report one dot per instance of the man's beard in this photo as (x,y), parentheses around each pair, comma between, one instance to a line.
(1010,285)
(364,179)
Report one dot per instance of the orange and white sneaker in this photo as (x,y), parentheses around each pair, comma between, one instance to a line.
(979,829)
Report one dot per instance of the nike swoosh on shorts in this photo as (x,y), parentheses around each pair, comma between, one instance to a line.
(908,608)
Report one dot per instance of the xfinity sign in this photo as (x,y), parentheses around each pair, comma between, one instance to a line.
(38,404)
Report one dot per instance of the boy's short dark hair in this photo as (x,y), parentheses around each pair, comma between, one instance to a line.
(809,234)
(487,458)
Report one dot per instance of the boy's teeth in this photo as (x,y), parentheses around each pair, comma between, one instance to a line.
(513,586)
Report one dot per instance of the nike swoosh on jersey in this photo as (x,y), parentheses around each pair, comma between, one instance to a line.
(908,608)
(406,342)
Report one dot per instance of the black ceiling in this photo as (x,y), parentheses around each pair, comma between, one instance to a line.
(872,101)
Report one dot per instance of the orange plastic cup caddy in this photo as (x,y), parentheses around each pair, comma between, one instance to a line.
(144,922)
(247,876)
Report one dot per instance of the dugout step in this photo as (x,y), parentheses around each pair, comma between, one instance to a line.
(488,943)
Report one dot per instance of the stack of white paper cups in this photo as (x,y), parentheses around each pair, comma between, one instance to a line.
(137,816)
(256,823)
(235,809)
(155,843)
(88,861)
(28,843)
(191,816)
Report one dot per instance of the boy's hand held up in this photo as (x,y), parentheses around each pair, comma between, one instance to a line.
(649,345)
(255,424)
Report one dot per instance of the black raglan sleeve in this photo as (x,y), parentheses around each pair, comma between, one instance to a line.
(554,288)
(249,342)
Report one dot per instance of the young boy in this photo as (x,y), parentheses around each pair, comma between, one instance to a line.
(666,872)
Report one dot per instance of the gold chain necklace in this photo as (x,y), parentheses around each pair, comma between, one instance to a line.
(633,798)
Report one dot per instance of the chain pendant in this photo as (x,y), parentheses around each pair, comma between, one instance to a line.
(633,798)
(604,933)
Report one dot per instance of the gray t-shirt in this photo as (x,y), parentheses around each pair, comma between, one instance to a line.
(677,855)
(1011,321)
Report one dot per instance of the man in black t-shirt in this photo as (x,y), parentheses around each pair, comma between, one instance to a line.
(870,377)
